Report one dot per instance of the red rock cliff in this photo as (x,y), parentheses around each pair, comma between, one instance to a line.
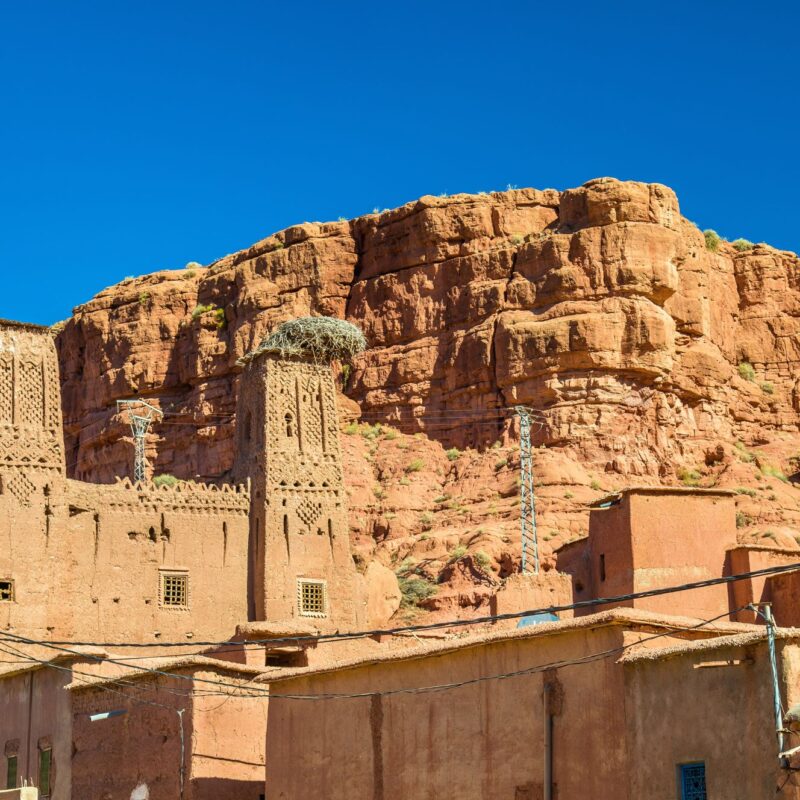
(649,357)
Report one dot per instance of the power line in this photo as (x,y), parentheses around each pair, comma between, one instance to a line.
(775,570)
(436,687)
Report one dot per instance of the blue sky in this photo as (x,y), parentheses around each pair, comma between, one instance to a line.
(140,136)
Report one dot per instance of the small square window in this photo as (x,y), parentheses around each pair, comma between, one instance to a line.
(692,781)
(175,589)
(6,591)
(312,598)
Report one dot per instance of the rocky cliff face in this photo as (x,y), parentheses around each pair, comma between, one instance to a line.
(647,357)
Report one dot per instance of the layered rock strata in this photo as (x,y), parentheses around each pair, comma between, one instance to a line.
(648,358)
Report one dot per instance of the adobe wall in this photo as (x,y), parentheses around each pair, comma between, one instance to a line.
(784,593)
(85,561)
(288,446)
(228,743)
(655,539)
(35,712)
(113,757)
(678,713)
(751,558)
(224,741)
(481,740)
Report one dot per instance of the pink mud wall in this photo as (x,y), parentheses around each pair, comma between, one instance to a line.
(651,541)
(34,710)
(228,743)
(483,740)
(224,742)
(723,716)
(778,589)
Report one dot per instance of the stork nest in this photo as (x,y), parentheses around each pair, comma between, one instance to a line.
(322,339)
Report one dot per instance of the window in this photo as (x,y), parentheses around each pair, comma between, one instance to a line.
(692,781)
(175,589)
(45,763)
(602,566)
(11,772)
(311,598)
(6,591)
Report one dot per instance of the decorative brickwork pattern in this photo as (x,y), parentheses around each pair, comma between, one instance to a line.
(31,436)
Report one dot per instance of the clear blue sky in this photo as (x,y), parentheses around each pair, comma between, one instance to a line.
(139,136)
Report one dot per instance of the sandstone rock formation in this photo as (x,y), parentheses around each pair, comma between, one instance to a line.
(648,357)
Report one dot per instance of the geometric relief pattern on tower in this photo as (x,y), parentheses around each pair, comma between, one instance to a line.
(30,400)
(304,463)
(6,390)
(30,397)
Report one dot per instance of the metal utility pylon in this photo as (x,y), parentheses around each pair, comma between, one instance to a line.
(140,424)
(527,507)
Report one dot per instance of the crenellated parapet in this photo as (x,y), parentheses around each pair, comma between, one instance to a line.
(184,497)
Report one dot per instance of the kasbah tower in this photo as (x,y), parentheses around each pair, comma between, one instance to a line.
(288,448)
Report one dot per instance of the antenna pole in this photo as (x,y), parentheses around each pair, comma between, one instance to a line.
(527,518)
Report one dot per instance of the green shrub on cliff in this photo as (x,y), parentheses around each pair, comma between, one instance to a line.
(713,240)
(746,371)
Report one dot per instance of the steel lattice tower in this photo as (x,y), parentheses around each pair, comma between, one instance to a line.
(527,518)
(140,425)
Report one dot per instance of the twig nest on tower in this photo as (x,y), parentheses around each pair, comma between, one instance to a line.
(322,339)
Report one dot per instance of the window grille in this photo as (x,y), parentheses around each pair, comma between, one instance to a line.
(312,598)
(693,781)
(6,591)
(175,589)
(11,772)
(45,763)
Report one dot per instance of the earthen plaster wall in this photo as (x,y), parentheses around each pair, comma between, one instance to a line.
(655,539)
(751,558)
(481,740)
(84,561)
(681,712)
(224,740)
(35,714)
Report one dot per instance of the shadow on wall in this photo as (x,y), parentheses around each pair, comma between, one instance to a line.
(226,789)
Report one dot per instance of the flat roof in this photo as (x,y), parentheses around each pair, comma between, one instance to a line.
(30,326)
(630,617)
(677,490)
(708,645)
(131,670)
(79,653)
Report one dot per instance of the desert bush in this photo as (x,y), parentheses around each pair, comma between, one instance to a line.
(689,477)
(414,589)
(712,240)
(165,480)
(746,371)
(742,244)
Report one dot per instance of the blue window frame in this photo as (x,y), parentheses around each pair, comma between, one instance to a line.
(692,781)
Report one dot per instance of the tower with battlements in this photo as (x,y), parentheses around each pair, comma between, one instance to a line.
(288,446)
